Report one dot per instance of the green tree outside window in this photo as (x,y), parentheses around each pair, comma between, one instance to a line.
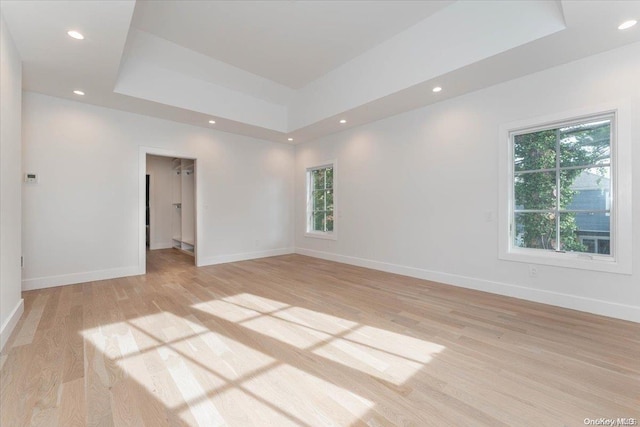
(546,164)
(321,200)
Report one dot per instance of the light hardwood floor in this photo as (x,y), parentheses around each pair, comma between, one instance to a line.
(293,340)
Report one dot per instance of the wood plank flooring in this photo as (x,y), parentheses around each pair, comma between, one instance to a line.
(297,341)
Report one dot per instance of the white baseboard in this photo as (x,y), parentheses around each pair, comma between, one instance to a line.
(589,305)
(9,325)
(73,278)
(221,259)
(160,245)
(92,276)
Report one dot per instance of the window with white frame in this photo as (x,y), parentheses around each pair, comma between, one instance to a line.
(565,195)
(320,201)
(561,188)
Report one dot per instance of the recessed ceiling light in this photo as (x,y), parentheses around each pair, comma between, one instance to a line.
(437,89)
(213,122)
(289,139)
(78,92)
(343,121)
(627,24)
(76,35)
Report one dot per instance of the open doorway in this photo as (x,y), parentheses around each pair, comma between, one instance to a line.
(171,200)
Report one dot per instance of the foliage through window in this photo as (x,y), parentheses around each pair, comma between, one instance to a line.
(562,187)
(320,199)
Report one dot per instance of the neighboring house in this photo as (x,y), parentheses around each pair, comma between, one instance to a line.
(593,194)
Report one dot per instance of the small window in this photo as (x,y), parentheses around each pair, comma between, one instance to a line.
(321,201)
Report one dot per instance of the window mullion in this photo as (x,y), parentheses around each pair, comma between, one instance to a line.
(524,172)
(587,166)
(324,200)
(557,213)
(309,200)
(535,211)
(591,166)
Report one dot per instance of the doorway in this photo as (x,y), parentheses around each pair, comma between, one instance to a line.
(168,205)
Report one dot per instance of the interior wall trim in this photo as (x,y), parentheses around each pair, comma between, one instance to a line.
(10,324)
(82,277)
(222,259)
(589,305)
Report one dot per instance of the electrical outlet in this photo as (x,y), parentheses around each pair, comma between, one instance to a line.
(533,271)
(30,178)
(489,216)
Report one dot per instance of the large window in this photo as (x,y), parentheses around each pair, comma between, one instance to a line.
(565,190)
(562,187)
(320,201)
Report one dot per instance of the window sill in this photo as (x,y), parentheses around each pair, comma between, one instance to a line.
(321,235)
(573,260)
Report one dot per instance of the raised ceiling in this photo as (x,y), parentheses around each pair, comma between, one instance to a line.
(290,69)
(291,42)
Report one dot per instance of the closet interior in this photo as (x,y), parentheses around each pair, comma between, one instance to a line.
(172,204)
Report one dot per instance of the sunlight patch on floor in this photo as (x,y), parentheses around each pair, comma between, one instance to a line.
(385,354)
(211,339)
(203,410)
(401,345)
(228,311)
(305,394)
(255,302)
(283,362)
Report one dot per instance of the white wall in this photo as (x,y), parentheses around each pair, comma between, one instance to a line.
(82,222)
(415,190)
(161,209)
(11,303)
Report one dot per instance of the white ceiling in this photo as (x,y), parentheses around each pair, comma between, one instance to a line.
(280,69)
(289,42)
